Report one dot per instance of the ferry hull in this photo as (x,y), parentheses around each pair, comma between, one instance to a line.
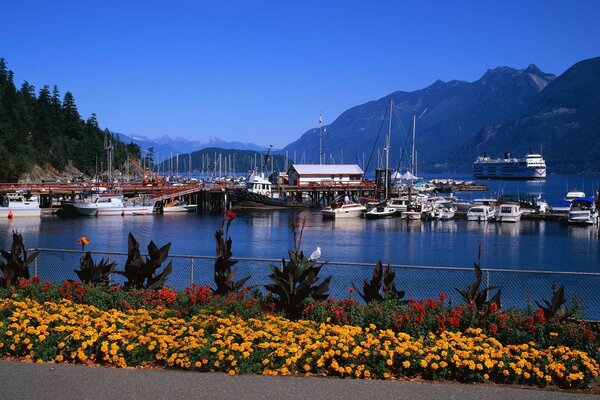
(494,171)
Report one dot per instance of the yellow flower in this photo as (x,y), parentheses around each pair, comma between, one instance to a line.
(389,362)
(406,364)
(231,372)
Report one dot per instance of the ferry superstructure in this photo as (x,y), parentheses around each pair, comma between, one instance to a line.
(532,166)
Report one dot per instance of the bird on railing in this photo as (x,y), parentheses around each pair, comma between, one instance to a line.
(315,254)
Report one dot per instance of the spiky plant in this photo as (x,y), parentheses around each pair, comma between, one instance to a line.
(17,262)
(382,285)
(142,273)
(555,309)
(224,275)
(91,273)
(476,296)
(294,283)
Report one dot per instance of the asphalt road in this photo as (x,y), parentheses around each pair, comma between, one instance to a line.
(59,381)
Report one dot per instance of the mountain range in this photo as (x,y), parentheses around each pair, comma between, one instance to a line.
(165,146)
(506,110)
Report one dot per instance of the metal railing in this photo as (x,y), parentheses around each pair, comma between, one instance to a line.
(520,288)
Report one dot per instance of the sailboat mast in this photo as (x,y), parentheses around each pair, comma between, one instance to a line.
(412,161)
(387,150)
(321,138)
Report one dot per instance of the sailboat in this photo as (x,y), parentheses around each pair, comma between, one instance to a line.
(415,209)
(383,210)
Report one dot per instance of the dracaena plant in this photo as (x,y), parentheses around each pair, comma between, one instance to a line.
(143,273)
(381,286)
(16,264)
(556,309)
(294,283)
(224,275)
(474,294)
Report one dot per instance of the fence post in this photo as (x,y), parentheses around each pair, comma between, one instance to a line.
(487,285)
(35,266)
(192,270)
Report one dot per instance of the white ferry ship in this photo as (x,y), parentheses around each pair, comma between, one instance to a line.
(532,166)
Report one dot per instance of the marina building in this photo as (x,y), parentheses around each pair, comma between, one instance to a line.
(325,175)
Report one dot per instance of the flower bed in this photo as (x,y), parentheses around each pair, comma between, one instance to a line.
(272,345)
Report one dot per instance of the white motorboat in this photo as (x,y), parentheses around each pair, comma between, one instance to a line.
(446,211)
(583,211)
(380,211)
(399,203)
(481,213)
(112,205)
(177,206)
(564,206)
(17,206)
(509,213)
(337,210)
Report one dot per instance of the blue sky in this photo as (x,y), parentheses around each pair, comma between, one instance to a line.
(260,71)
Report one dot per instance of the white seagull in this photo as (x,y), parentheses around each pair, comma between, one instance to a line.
(315,254)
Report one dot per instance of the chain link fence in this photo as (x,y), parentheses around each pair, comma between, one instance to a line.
(520,288)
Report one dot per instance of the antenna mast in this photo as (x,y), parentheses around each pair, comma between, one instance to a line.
(108,146)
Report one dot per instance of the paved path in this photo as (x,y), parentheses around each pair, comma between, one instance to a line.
(61,382)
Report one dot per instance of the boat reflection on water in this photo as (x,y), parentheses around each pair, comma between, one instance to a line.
(513,229)
(583,231)
(349,224)
(414,225)
(21,225)
(444,226)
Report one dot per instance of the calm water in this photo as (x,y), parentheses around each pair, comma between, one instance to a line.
(525,245)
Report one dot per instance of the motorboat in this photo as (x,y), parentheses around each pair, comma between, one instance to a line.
(380,211)
(583,211)
(178,206)
(446,211)
(509,213)
(481,213)
(16,206)
(341,210)
(564,206)
(399,203)
(111,204)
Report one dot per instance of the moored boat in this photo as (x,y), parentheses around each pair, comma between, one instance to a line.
(106,205)
(583,211)
(380,211)
(17,206)
(481,213)
(337,210)
(508,212)
(177,206)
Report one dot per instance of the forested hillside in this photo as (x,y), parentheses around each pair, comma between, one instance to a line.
(41,129)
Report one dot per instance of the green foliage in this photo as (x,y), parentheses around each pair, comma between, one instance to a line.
(142,274)
(16,264)
(90,272)
(295,283)
(48,131)
(382,285)
(556,309)
(224,275)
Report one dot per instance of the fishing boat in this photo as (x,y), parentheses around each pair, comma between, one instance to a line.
(339,210)
(17,206)
(509,213)
(179,206)
(583,211)
(481,213)
(110,204)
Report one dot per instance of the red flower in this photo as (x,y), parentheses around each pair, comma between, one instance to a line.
(493,329)
(493,307)
(231,214)
(442,297)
